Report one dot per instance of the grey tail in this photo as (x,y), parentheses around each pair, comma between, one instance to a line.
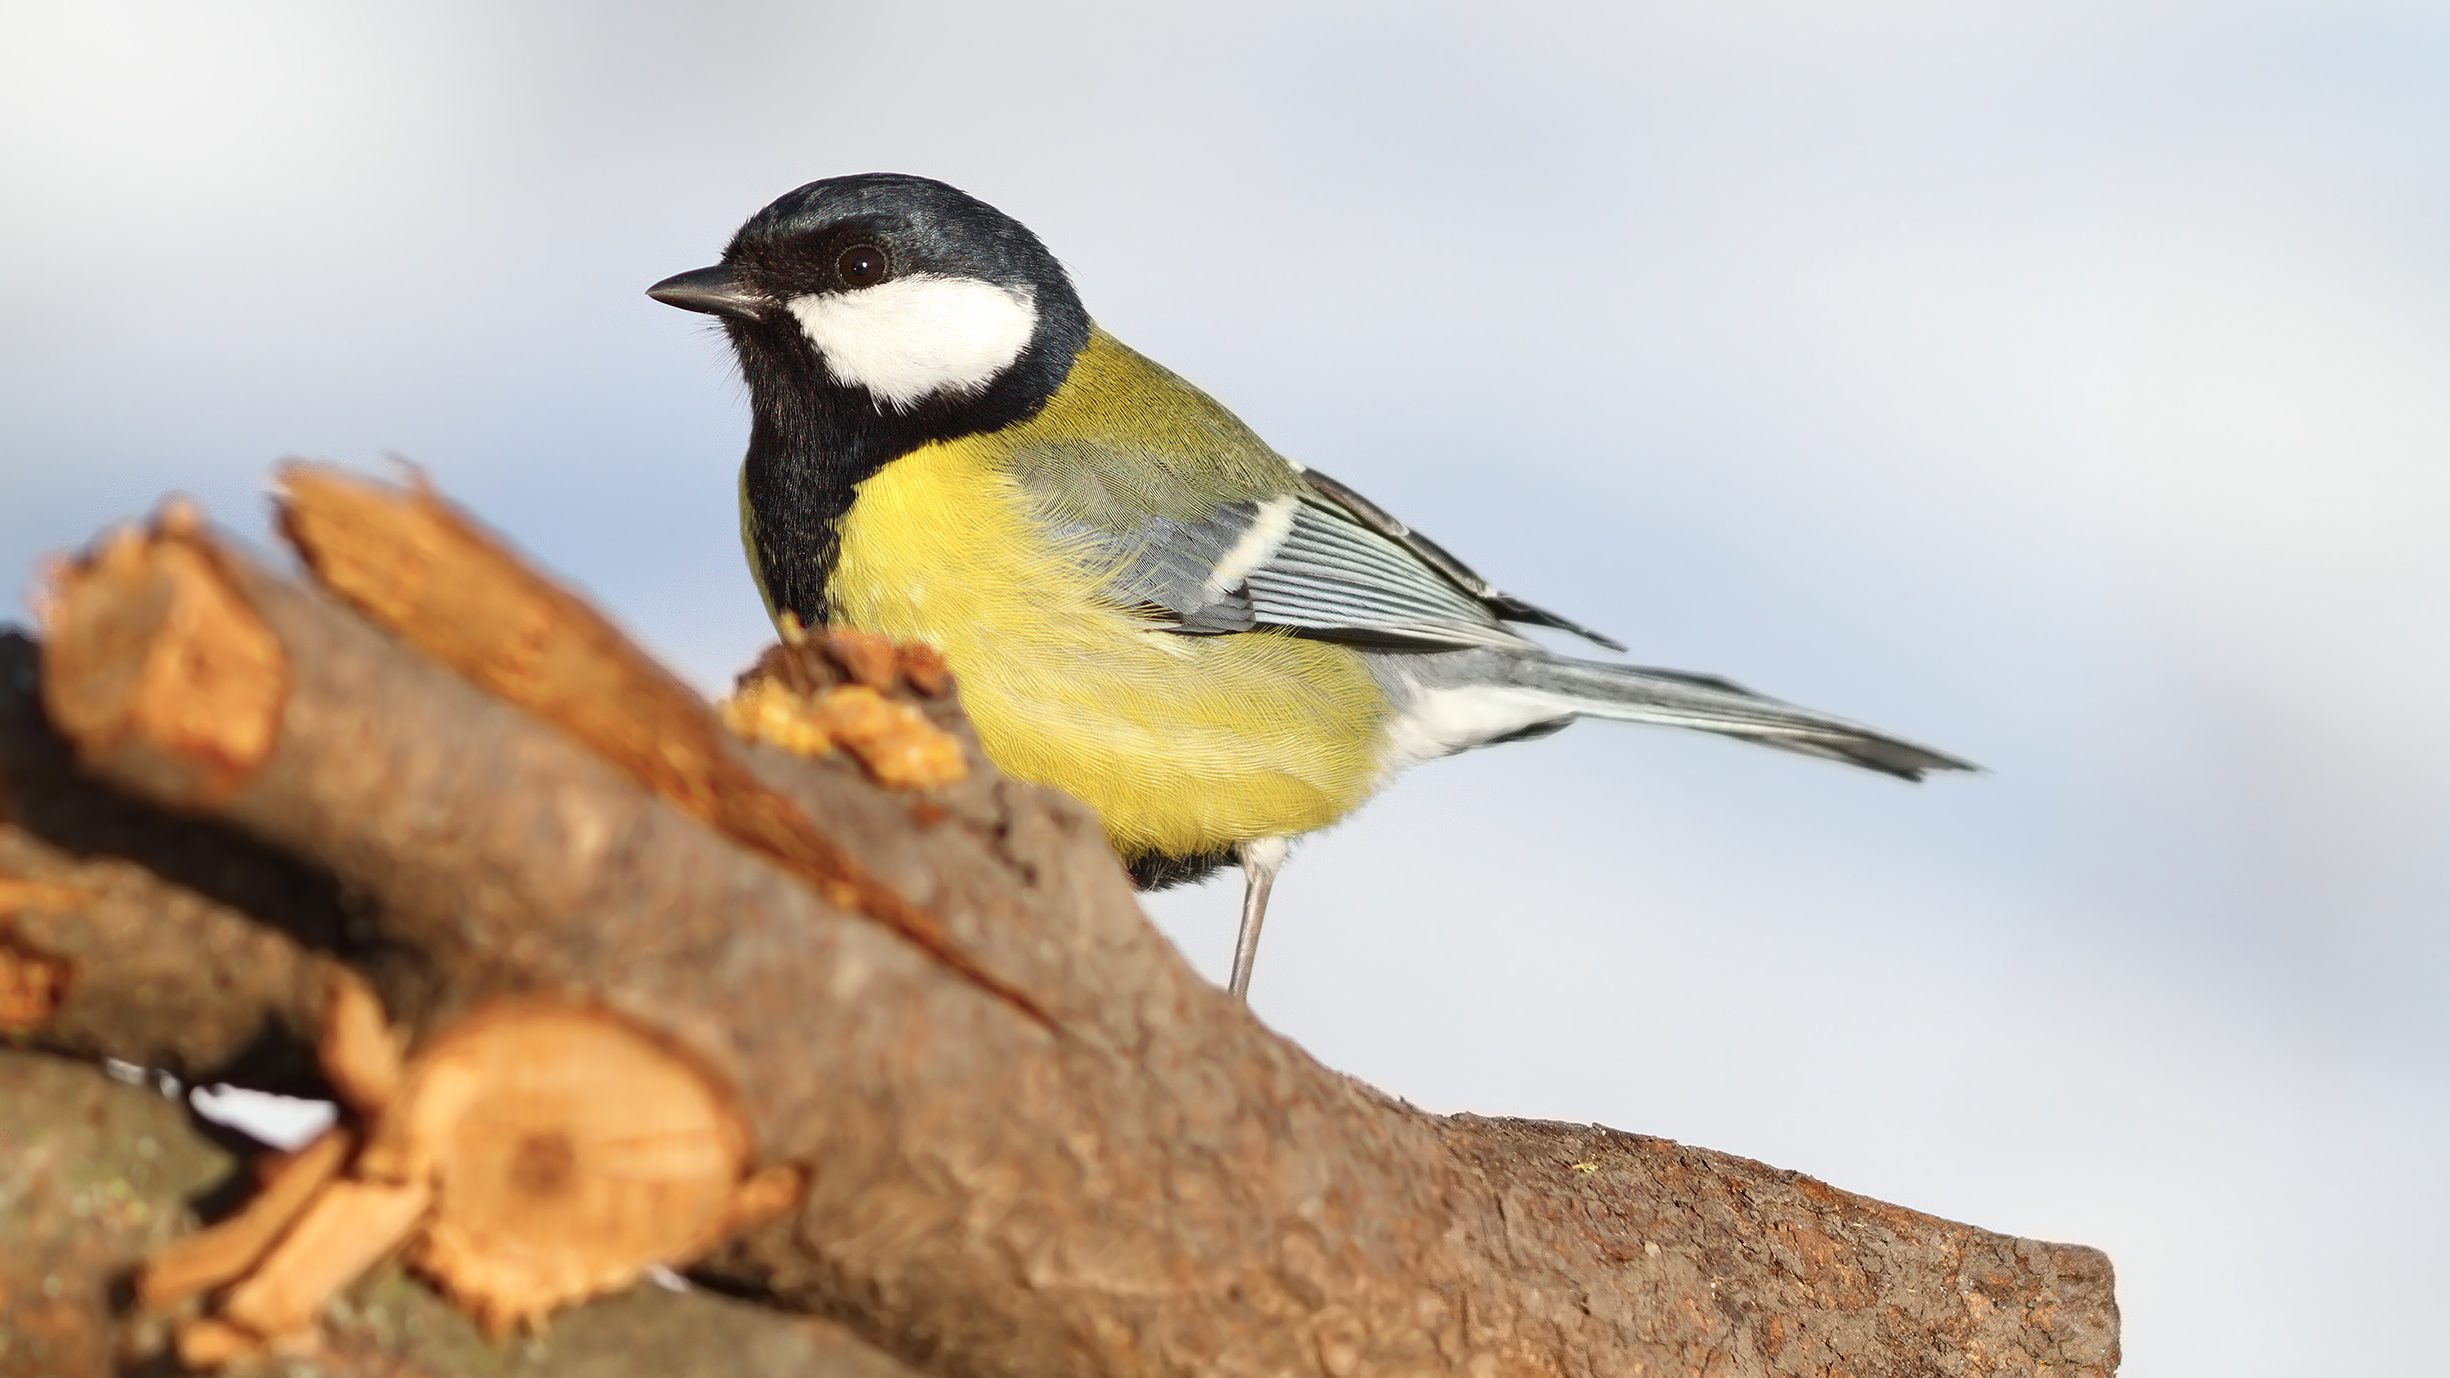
(1546,692)
(1672,698)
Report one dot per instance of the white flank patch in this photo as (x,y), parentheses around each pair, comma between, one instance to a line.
(1268,528)
(918,336)
(1441,722)
(1263,856)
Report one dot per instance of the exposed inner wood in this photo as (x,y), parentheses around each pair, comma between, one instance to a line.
(343,1231)
(359,1052)
(205,1343)
(217,1257)
(567,1153)
(531,1156)
(159,649)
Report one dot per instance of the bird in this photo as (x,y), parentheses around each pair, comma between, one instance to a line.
(1215,647)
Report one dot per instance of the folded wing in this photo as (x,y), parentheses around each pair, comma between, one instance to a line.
(1318,561)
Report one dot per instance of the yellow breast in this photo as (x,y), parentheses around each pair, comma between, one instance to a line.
(1182,744)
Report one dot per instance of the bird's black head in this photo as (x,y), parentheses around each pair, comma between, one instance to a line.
(892,297)
(871,315)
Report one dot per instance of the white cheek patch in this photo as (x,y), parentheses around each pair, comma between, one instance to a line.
(918,336)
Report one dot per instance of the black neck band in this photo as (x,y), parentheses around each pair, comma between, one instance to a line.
(812,441)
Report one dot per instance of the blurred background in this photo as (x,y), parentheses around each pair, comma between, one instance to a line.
(2065,385)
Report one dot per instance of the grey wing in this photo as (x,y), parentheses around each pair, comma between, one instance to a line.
(1321,561)
(1333,577)
(1183,569)
(1504,605)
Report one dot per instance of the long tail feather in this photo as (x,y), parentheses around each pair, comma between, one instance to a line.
(1462,699)
(1632,693)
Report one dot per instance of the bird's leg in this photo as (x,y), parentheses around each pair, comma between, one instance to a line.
(1261,859)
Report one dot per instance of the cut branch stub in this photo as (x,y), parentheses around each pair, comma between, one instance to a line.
(534,1155)
(568,1152)
(155,653)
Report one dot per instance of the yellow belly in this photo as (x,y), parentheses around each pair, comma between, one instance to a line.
(1182,744)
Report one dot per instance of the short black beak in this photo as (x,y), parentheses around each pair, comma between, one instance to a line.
(710,290)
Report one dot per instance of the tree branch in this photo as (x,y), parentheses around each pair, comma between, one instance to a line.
(185,946)
(1156,1184)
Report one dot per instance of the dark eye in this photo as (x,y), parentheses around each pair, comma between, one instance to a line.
(862,266)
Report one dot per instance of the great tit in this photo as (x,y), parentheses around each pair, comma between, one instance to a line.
(1215,647)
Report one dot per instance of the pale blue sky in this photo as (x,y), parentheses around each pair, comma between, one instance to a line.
(2060,384)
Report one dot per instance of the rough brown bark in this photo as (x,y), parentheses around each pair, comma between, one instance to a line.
(1156,1184)
(187,947)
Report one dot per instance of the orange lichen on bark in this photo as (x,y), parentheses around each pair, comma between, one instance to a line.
(894,742)
(811,660)
(419,568)
(833,687)
(899,747)
(767,712)
(149,640)
(869,659)
(924,667)
(32,984)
